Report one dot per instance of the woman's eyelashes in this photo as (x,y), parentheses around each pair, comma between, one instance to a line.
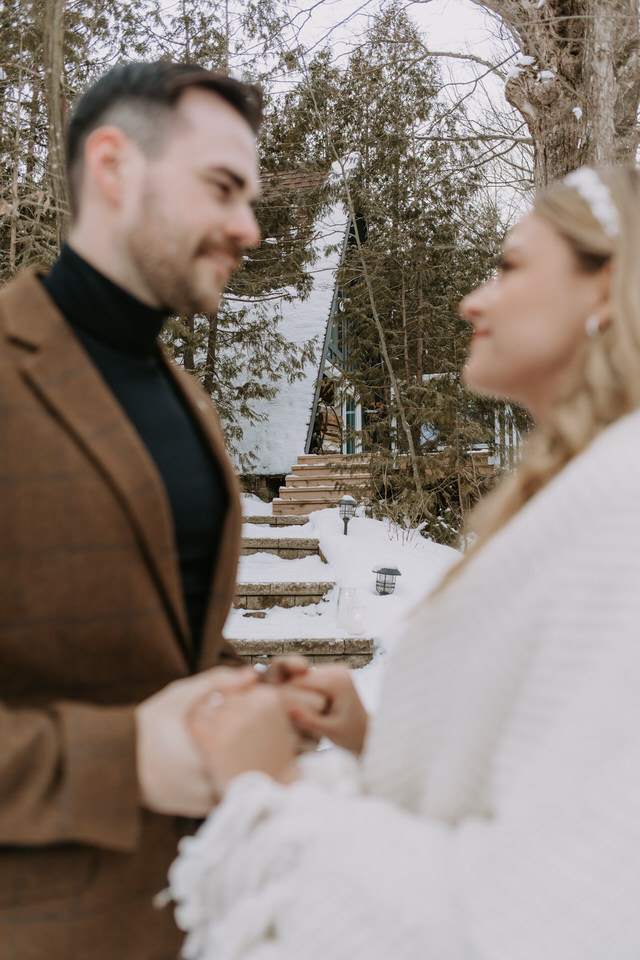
(504,263)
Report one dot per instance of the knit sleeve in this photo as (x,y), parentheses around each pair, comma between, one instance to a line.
(290,873)
(310,871)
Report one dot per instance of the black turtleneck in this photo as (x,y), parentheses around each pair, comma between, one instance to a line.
(120,335)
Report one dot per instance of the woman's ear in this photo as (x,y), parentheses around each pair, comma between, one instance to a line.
(604,309)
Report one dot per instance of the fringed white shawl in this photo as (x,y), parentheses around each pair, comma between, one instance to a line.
(496,813)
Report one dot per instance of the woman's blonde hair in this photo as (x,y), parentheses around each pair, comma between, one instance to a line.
(610,382)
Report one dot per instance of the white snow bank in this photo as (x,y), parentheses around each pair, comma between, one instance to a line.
(253,506)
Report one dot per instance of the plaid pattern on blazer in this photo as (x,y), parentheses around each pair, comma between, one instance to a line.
(92,620)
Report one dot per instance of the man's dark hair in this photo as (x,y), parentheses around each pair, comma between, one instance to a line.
(140,98)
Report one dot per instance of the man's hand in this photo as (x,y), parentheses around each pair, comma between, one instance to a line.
(244,730)
(172,776)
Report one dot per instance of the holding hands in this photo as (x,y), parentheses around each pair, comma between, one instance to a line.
(343,719)
(258,726)
(197,734)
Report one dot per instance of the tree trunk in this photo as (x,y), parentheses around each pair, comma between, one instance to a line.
(15,196)
(54,65)
(187,355)
(580,95)
(212,351)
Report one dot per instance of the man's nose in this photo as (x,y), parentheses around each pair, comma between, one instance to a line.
(242,227)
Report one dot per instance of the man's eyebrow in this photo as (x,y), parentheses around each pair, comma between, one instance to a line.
(236,178)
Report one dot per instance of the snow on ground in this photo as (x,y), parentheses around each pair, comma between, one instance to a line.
(351,559)
(370,543)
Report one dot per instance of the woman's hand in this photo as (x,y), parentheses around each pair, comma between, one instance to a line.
(244,730)
(343,718)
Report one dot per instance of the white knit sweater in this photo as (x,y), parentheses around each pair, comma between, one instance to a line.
(496,814)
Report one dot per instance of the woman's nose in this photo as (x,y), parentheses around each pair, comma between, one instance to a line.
(471,306)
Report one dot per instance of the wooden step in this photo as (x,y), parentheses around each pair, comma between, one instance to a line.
(285,520)
(331,472)
(326,494)
(288,548)
(301,507)
(352,651)
(333,457)
(314,494)
(261,596)
(326,479)
(332,460)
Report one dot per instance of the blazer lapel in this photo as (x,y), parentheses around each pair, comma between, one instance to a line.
(64,377)
(224,574)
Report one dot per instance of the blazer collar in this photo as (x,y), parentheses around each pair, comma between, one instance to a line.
(62,374)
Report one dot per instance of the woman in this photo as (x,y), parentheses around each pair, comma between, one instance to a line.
(495,812)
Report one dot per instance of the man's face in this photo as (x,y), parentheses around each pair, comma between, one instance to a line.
(189,214)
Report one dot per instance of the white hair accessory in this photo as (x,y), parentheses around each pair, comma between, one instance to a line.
(598,196)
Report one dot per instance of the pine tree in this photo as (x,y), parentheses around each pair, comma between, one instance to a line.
(239,354)
(49,52)
(425,240)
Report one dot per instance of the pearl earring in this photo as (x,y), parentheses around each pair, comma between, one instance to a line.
(592,326)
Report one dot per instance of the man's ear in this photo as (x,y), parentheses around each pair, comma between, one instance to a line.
(108,157)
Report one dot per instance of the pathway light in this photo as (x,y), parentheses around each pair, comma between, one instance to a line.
(386,579)
(347,507)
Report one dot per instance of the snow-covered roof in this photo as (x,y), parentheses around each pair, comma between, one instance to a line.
(280,439)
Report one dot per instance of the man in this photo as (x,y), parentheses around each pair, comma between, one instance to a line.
(119,516)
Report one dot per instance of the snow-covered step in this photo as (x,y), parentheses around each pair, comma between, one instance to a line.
(261,568)
(283,593)
(352,651)
(263,531)
(267,581)
(279,521)
(287,548)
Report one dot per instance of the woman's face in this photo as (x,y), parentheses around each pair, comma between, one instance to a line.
(529,322)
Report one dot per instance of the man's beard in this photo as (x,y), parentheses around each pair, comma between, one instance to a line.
(167,266)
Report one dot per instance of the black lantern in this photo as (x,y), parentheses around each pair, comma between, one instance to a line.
(386,579)
(347,507)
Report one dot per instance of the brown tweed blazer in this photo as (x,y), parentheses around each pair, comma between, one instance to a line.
(92,621)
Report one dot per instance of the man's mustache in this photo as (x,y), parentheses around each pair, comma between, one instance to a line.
(231,250)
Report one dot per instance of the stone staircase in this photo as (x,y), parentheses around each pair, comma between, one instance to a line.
(254,600)
(319,481)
